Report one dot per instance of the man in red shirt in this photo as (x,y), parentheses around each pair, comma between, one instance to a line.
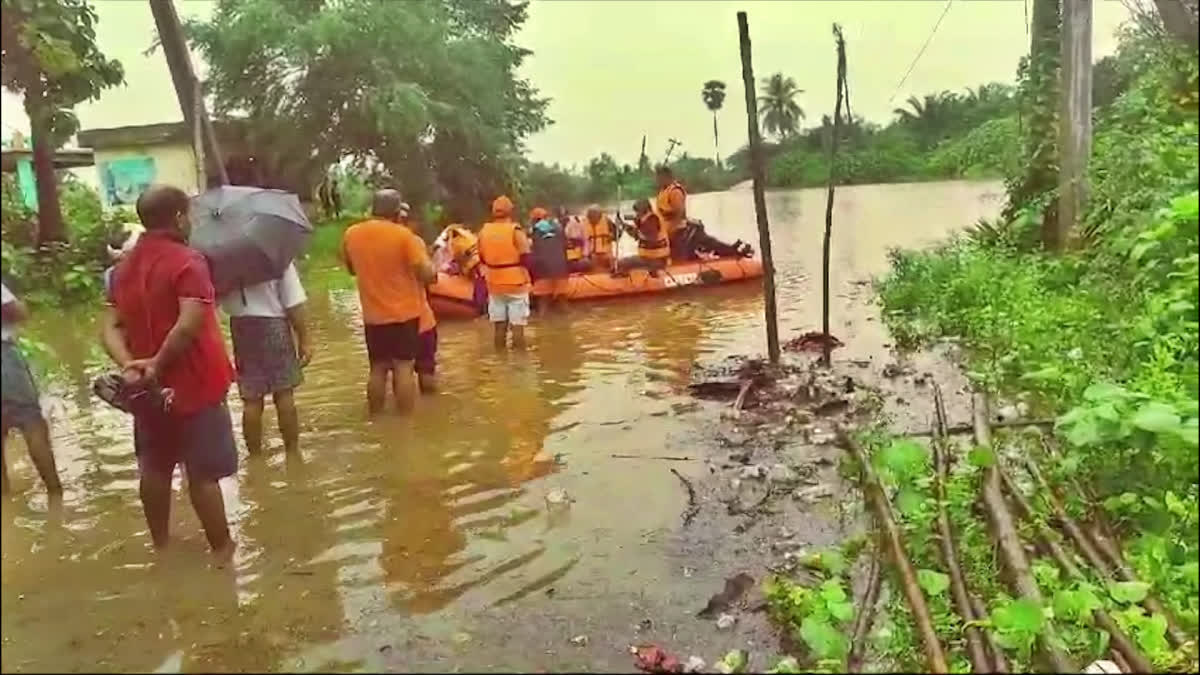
(160,327)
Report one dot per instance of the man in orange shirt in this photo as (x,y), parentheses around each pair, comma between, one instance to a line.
(504,249)
(392,269)
(426,362)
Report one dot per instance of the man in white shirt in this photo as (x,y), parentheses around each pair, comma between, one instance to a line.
(268,358)
(21,409)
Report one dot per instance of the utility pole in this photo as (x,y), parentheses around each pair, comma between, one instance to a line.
(1075,118)
(670,149)
(843,98)
(760,199)
(187,90)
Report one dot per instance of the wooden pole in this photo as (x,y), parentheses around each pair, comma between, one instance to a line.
(1075,117)
(833,145)
(760,199)
(170,34)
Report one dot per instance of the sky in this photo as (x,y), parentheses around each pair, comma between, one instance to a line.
(615,70)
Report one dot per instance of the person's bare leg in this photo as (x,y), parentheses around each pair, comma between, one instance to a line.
(500,334)
(377,387)
(252,425)
(6,487)
(427,382)
(289,419)
(155,491)
(518,337)
(37,439)
(404,386)
(210,509)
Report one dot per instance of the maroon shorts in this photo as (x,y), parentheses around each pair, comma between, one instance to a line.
(426,362)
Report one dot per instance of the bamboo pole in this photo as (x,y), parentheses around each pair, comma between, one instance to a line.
(976,649)
(935,657)
(1075,117)
(833,145)
(1137,661)
(1012,553)
(760,200)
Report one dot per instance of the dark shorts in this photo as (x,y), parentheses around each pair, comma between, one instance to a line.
(20,404)
(426,362)
(264,354)
(387,342)
(202,442)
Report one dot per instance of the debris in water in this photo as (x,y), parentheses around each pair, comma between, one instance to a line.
(782,474)
(733,662)
(726,621)
(693,508)
(1102,667)
(557,498)
(688,572)
(735,587)
(813,494)
(754,471)
(644,625)
(812,341)
(694,664)
(894,370)
(461,638)
(832,407)
(580,640)
(654,659)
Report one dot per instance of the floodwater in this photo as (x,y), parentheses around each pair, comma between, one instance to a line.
(407,543)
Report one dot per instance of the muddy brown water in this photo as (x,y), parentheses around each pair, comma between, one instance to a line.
(427,542)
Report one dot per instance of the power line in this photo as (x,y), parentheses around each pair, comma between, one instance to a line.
(922,52)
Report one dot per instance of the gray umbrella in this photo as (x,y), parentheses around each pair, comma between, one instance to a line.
(249,234)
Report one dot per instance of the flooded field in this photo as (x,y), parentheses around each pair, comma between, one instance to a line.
(426,542)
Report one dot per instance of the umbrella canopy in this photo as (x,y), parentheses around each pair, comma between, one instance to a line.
(249,234)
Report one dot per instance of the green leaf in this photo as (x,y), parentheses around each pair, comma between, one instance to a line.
(981,457)
(825,641)
(1128,591)
(734,661)
(909,501)
(903,459)
(932,581)
(1103,391)
(1018,623)
(1156,417)
(1076,605)
(1084,432)
(787,664)
(842,611)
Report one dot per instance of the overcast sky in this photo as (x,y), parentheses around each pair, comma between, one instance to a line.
(615,70)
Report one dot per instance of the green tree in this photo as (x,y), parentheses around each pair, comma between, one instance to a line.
(931,117)
(777,105)
(427,91)
(713,95)
(48,55)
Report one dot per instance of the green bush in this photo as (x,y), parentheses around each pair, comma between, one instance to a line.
(58,272)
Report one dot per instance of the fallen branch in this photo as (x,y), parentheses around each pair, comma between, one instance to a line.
(866,615)
(665,458)
(956,429)
(693,508)
(976,651)
(935,657)
(1137,661)
(741,397)
(1012,553)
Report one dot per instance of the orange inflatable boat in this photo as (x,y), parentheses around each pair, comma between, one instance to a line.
(451,295)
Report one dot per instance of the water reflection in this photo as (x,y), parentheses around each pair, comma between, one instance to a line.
(430,518)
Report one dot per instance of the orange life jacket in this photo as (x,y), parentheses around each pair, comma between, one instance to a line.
(658,246)
(600,236)
(464,247)
(671,205)
(499,253)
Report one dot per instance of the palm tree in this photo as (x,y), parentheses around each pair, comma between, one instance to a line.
(713,95)
(777,105)
(930,116)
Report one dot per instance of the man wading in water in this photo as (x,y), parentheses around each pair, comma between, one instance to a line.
(160,327)
(392,269)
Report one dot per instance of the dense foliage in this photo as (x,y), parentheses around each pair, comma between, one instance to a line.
(424,94)
(1105,336)
(49,57)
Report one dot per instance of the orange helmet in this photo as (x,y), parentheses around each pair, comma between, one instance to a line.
(538,213)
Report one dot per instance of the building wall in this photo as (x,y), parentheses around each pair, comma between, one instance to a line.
(123,171)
